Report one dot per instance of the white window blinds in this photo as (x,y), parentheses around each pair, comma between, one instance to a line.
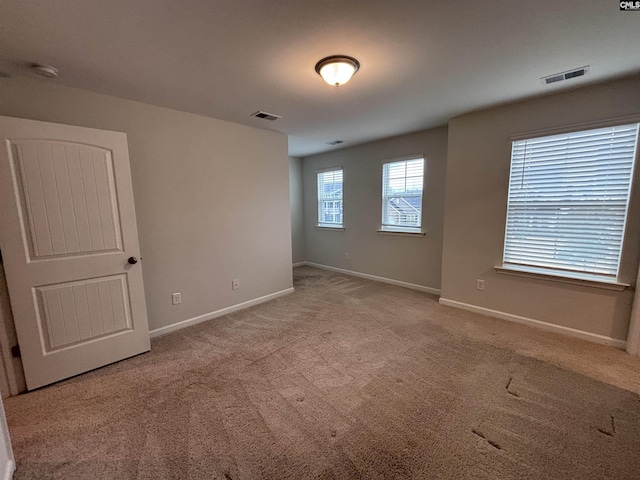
(568,198)
(330,198)
(402,184)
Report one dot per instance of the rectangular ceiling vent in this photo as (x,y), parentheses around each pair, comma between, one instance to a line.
(558,77)
(265,115)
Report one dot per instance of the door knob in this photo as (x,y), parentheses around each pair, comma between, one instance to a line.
(132,260)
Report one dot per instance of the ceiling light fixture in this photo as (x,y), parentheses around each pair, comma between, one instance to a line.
(337,69)
(46,71)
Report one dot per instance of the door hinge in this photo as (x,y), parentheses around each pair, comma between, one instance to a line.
(15,351)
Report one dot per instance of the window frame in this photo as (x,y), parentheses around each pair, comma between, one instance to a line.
(319,200)
(402,230)
(604,281)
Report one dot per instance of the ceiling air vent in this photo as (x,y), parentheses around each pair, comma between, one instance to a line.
(558,77)
(335,142)
(265,115)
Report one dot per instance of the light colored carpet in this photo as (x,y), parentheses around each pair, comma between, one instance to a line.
(343,379)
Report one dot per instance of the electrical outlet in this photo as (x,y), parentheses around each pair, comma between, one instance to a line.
(346,256)
(235,284)
(479,284)
(176,298)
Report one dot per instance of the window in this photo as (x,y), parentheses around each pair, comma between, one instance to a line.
(330,198)
(567,205)
(402,183)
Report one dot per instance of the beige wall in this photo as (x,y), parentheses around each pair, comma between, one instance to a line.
(414,260)
(212,197)
(296,197)
(476,198)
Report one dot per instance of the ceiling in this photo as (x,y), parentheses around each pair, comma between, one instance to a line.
(422,62)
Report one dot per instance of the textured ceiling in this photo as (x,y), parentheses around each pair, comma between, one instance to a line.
(422,62)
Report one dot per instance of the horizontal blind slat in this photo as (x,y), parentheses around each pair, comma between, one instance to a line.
(402,185)
(330,197)
(568,199)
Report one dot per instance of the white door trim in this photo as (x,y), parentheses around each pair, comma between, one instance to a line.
(633,340)
(11,367)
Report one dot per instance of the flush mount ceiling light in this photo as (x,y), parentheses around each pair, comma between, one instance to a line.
(46,71)
(337,69)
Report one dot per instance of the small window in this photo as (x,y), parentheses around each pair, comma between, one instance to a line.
(330,198)
(568,201)
(402,184)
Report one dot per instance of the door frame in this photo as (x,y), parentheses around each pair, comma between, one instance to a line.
(633,340)
(11,367)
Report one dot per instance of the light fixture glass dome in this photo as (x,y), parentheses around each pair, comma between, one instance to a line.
(337,69)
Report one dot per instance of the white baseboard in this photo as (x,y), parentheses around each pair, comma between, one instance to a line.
(412,286)
(592,337)
(218,313)
(299,264)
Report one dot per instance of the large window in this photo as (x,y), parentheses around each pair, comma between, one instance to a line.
(568,200)
(330,198)
(402,183)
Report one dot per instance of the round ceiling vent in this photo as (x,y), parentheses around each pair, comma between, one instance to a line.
(46,71)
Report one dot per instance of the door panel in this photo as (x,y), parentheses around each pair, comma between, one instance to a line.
(68,228)
(67,198)
(74,312)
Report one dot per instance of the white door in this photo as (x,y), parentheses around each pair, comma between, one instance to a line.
(69,243)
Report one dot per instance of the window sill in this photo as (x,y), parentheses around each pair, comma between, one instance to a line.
(402,232)
(584,280)
(330,227)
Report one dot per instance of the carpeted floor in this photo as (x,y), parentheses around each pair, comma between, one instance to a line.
(343,379)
